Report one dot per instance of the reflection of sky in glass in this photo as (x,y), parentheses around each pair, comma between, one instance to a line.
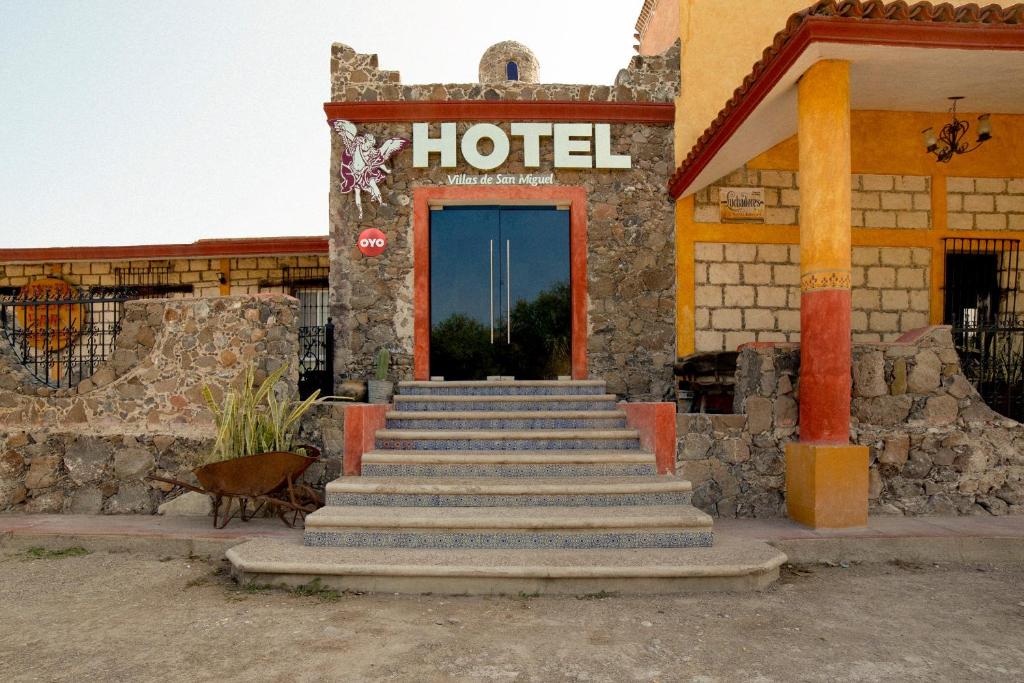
(460,258)
(539,245)
(460,262)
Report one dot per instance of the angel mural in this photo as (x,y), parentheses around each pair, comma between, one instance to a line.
(362,162)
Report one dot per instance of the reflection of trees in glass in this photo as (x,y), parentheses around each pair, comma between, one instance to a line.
(460,348)
(541,334)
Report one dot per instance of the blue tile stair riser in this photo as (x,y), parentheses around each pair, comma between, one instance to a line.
(523,500)
(494,540)
(445,390)
(506,444)
(508,470)
(490,406)
(510,424)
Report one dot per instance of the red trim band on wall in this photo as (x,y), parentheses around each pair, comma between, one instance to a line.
(424,197)
(653,113)
(255,246)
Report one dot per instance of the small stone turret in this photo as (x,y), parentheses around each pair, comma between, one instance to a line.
(509,61)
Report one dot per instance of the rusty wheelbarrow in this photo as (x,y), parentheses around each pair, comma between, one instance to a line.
(254,481)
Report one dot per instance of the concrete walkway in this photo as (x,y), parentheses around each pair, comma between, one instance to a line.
(997,540)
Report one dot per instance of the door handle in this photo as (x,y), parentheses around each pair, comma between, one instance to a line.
(508,290)
(491,282)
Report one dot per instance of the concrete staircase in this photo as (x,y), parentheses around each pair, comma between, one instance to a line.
(507,487)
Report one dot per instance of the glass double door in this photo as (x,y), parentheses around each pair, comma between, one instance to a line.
(500,299)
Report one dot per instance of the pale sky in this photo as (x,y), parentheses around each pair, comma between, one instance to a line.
(144,122)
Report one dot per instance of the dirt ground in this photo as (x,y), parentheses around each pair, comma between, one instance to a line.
(106,617)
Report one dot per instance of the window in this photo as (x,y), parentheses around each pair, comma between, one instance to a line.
(512,71)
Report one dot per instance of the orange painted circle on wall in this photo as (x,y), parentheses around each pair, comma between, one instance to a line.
(48,314)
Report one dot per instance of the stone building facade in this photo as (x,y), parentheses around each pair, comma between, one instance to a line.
(629,287)
(88,448)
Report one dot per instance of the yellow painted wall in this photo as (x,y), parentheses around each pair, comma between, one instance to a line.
(882,142)
(890,142)
(662,29)
(721,41)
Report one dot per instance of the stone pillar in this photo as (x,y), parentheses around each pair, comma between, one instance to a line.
(826,477)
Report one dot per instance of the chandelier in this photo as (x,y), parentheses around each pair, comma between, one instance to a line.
(950,140)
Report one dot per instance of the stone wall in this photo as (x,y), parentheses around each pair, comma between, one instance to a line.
(87,449)
(631,273)
(877,201)
(985,203)
(751,292)
(935,447)
(245,274)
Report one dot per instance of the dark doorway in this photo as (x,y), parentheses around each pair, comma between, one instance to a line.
(500,300)
(980,303)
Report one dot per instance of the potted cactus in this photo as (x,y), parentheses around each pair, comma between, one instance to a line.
(381,388)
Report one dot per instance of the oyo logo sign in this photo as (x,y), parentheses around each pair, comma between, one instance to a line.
(372,242)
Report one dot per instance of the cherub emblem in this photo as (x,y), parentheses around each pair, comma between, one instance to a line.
(362,163)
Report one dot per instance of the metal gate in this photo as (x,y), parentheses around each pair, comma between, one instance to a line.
(61,335)
(981,305)
(316,329)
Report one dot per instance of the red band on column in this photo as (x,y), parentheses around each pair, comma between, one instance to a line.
(825,366)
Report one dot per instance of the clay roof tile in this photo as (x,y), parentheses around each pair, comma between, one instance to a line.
(852,10)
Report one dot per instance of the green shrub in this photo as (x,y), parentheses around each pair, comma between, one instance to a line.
(253,419)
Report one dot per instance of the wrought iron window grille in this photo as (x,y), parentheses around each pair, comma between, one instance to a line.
(981,306)
(62,339)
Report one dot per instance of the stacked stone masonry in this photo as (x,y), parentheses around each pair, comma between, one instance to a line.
(751,292)
(985,203)
(87,449)
(246,275)
(878,201)
(631,273)
(935,447)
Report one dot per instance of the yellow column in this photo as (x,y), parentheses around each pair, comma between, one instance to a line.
(685,281)
(826,477)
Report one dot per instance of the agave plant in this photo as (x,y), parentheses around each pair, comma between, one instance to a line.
(254,419)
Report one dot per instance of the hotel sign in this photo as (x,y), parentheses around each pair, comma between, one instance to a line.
(741,204)
(575,145)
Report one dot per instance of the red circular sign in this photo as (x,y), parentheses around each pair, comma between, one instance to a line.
(372,242)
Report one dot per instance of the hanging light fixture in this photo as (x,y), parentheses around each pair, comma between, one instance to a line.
(950,140)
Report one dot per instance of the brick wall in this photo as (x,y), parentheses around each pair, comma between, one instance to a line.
(878,201)
(891,292)
(202,274)
(985,203)
(751,292)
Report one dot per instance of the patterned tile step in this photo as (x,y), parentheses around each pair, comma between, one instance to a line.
(493,457)
(454,444)
(593,491)
(597,469)
(442,500)
(577,463)
(536,439)
(561,527)
(507,420)
(659,517)
(510,541)
(503,388)
(492,403)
